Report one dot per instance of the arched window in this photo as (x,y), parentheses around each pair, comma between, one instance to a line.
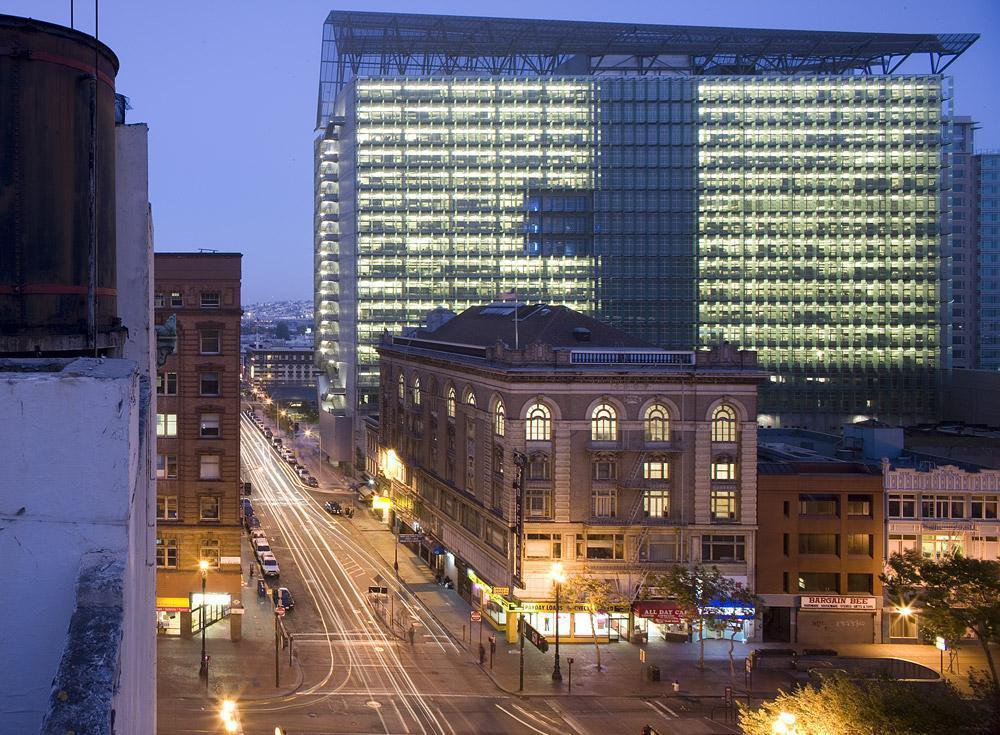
(538,424)
(604,424)
(401,387)
(451,402)
(724,424)
(416,391)
(657,423)
(499,418)
(470,398)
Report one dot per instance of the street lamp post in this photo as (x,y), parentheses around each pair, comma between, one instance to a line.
(558,578)
(203,670)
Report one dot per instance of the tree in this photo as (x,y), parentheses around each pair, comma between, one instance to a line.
(697,591)
(281,331)
(598,596)
(952,594)
(839,705)
(740,599)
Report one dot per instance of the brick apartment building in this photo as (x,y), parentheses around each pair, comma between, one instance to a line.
(820,545)
(198,440)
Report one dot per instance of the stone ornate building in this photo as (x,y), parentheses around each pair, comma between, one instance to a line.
(516,437)
(939,508)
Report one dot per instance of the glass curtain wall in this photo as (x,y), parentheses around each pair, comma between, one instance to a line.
(442,171)
(820,237)
(645,208)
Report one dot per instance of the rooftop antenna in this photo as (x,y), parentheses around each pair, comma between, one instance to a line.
(207,250)
(93,163)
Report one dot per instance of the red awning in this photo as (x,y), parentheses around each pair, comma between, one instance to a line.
(658,612)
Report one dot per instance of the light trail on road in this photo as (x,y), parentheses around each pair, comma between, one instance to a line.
(307,527)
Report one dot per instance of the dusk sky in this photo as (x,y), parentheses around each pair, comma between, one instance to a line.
(229,92)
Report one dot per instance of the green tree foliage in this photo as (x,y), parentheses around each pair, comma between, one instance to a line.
(281,331)
(951,594)
(841,706)
(598,596)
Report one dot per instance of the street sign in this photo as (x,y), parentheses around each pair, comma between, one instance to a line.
(536,638)
(476,616)
(280,611)
(378,590)
(411,538)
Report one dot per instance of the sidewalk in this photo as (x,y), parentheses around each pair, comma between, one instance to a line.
(243,668)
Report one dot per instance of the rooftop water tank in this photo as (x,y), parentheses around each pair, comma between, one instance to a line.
(46,209)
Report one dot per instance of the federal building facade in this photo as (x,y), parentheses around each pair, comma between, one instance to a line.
(558,440)
(785,200)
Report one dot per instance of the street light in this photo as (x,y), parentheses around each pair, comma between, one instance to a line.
(784,724)
(558,577)
(203,670)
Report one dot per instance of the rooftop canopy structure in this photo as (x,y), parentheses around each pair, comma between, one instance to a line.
(359,43)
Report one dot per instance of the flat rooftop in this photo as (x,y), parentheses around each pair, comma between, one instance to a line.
(362,43)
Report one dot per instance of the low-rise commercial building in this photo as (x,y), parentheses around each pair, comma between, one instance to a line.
(198,442)
(517,437)
(933,504)
(273,365)
(820,548)
(937,509)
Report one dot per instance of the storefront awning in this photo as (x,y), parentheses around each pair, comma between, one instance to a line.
(660,612)
(172,604)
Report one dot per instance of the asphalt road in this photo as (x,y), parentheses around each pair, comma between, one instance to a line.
(360,677)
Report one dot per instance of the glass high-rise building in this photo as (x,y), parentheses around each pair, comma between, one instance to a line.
(989,260)
(783,193)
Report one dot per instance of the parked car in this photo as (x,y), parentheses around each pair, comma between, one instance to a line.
(257,533)
(312,481)
(283,596)
(247,507)
(267,433)
(247,488)
(260,546)
(302,472)
(332,507)
(269,565)
(251,522)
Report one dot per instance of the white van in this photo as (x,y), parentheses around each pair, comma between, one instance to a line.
(269,565)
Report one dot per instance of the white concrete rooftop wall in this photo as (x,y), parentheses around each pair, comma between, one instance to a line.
(68,463)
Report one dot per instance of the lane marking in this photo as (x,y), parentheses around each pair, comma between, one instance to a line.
(659,708)
(526,724)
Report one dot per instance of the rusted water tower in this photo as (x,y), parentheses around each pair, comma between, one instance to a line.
(57,191)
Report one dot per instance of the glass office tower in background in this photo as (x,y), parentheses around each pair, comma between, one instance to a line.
(820,239)
(783,193)
(989,260)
